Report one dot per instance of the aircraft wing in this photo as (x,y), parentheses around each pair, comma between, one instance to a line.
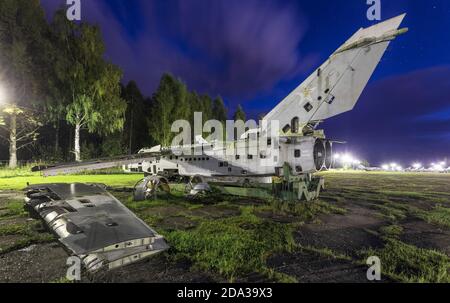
(72,168)
(93,225)
(336,86)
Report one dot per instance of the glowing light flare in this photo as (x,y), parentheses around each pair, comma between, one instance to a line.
(347,159)
(3,95)
(417,165)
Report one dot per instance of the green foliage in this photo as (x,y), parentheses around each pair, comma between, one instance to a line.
(230,247)
(15,208)
(306,211)
(118,180)
(169,103)
(391,231)
(112,146)
(89,151)
(439,215)
(408,263)
(96,102)
(135,135)
(219,110)
(172,101)
(23,40)
(240,115)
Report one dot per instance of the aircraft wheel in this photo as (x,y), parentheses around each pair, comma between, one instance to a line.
(150,187)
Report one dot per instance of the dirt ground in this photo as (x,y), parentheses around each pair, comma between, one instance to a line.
(330,245)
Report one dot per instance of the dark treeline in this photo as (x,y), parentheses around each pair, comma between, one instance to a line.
(60,100)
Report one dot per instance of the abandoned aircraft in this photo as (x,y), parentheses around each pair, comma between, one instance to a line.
(93,225)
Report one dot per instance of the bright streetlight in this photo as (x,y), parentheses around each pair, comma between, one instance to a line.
(3,95)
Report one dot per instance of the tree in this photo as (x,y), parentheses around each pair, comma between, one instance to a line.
(219,110)
(93,85)
(136,118)
(23,39)
(239,115)
(19,127)
(60,58)
(169,103)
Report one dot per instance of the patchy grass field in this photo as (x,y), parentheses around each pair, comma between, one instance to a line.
(404,219)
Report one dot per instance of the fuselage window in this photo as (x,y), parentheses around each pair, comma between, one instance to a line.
(297,153)
(225,164)
(308,107)
(238,157)
(295,125)
(250,157)
(220,164)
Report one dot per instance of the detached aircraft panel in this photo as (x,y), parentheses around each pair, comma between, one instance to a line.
(93,225)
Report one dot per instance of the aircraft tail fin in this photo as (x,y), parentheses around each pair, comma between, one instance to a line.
(336,86)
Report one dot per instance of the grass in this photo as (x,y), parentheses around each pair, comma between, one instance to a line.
(393,231)
(233,247)
(13,208)
(439,215)
(26,235)
(305,211)
(410,264)
(327,252)
(119,180)
(240,244)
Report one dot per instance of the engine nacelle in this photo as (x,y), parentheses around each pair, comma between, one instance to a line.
(309,155)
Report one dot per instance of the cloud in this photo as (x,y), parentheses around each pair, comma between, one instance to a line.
(228,47)
(440,115)
(388,119)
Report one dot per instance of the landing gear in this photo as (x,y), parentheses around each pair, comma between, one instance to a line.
(304,187)
(197,187)
(150,187)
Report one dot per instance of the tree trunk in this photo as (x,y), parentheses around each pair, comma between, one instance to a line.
(13,142)
(130,149)
(77,143)
(57,127)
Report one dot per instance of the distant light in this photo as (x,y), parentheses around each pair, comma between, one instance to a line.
(393,165)
(347,159)
(438,168)
(385,167)
(3,95)
(417,165)
(337,156)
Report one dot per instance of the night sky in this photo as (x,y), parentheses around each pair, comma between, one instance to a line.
(255,52)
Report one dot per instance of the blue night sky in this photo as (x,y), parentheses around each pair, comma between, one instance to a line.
(255,52)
